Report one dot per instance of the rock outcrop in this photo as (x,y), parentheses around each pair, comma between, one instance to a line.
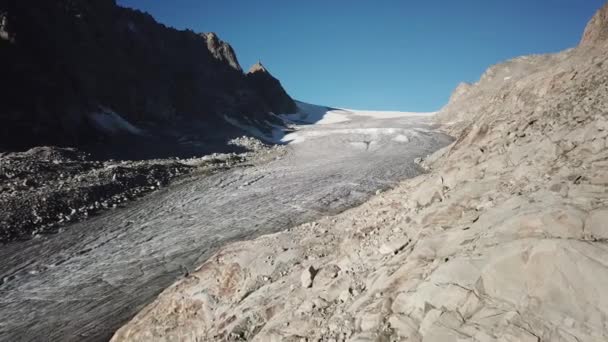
(221,50)
(65,61)
(503,240)
(596,31)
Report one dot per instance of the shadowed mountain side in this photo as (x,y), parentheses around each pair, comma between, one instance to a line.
(74,66)
(270,90)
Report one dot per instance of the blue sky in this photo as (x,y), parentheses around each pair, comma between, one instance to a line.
(383,54)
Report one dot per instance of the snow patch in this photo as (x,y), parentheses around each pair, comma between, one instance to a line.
(309,114)
(110,122)
(401,134)
(275,136)
(332,117)
(401,138)
(313,114)
(320,115)
(386,114)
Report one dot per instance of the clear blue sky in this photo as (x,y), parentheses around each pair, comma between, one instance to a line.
(383,54)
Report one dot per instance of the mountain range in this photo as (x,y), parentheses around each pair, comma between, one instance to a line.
(92,74)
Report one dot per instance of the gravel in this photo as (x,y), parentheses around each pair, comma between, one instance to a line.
(47,188)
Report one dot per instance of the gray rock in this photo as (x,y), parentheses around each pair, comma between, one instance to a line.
(307,277)
(596,224)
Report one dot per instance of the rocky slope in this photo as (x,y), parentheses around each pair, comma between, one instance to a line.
(503,240)
(45,189)
(77,72)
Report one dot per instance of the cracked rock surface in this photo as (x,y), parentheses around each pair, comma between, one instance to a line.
(503,240)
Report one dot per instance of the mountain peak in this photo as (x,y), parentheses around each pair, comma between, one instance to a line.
(211,35)
(257,67)
(597,28)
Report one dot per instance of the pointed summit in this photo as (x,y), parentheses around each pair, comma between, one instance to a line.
(257,67)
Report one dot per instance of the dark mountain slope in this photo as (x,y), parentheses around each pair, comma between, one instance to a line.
(270,89)
(63,61)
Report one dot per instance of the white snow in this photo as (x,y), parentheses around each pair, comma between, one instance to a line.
(401,138)
(331,117)
(110,122)
(320,115)
(385,114)
(309,114)
(313,114)
(400,134)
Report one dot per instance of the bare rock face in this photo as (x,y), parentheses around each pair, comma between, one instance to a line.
(503,240)
(597,30)
(222,50)
(469,101)
(257,67)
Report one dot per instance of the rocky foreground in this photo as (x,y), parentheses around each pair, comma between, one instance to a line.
(46,188)
(503,240)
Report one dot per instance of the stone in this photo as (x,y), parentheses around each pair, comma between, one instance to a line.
(307,277)
(393,246)
(370,321)
(426,326)
(596,224)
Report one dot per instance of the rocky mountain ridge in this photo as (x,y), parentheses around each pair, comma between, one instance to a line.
(81,73)
(503,240)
